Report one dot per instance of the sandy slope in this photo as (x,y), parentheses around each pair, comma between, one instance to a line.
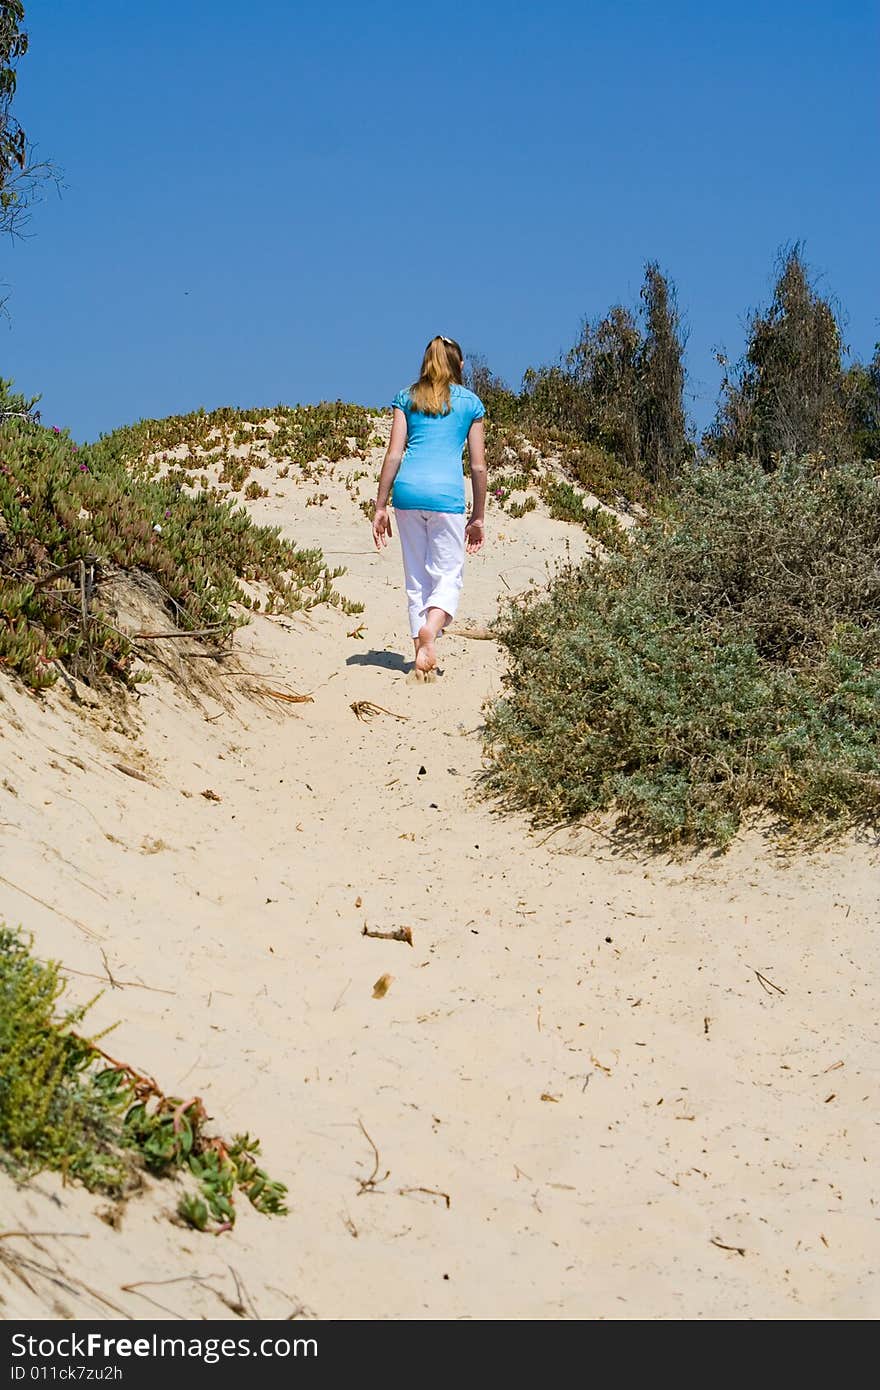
(577,1049)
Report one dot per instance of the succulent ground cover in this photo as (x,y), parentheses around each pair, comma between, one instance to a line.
(69,516)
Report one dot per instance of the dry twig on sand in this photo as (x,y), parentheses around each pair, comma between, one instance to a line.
(283,695)
(429,1191)
(114,983)
(767,985)
(371,1183)
(131,772)
(21,1266)
(96,936)
(478,633)
(163,636)
(399,934)
(365,710)
(136,1287)
(720,1245)
(30,1235)
(341,997)
(120,984)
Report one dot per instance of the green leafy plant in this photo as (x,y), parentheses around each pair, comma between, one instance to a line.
(169,1137)
(57,1110)
(518,509)
(567,504)
(563,499)
(117,507)
(66,1105)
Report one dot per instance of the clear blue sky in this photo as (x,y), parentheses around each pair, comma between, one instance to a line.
(282,201)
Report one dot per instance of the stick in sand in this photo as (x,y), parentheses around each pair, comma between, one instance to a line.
(399,934)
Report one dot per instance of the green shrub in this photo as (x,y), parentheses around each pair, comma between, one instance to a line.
(725,664)
(110,502)
(518,458)
(518,509)
(785,560)
(64,1106)
(56,1110)
(526,446)
(301,433)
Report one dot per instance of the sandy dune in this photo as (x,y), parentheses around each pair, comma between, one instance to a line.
(577,1051)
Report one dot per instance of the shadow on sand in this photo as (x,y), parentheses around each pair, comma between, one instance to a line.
(388,661)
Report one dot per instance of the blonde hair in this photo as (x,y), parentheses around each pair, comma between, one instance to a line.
(442,365)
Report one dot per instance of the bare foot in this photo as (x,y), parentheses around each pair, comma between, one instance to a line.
(426,656)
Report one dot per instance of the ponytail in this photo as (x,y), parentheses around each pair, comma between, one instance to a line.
(442,365)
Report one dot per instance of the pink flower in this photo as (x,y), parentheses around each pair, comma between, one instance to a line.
(55,429)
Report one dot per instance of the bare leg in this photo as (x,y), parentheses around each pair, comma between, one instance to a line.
(426,656)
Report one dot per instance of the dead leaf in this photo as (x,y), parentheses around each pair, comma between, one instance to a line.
(382,986)
(149,846)
(546,1096)
(211,796)
(358,902)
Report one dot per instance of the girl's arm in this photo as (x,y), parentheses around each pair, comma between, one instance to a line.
(393,459)
(475,529)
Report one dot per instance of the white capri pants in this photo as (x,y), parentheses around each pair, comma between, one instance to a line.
(433,561)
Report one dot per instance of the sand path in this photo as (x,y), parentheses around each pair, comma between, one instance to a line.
(585,1102)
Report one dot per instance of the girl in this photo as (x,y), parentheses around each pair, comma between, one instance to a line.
(432,420)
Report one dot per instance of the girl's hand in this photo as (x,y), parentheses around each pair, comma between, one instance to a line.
(381,527)
(474,535)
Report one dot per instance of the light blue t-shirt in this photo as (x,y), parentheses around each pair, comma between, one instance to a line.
(430,478)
